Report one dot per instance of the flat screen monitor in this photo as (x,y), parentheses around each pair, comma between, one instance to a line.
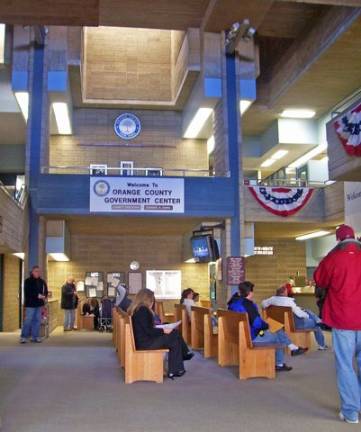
(204,248)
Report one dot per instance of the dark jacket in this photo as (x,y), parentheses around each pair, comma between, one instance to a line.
(143,326)
(68,296)
(32,288)
(238,304)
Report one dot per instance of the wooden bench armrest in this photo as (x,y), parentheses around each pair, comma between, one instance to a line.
(152,351)
(265,346)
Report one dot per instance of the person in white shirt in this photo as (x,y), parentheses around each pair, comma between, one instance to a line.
(187,299)
(304,319)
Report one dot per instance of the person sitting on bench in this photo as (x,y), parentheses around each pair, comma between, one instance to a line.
(147,336)
(188,299)
(304,319)
(243,302)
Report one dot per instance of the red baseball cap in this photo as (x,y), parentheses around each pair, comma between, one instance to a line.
(344,232)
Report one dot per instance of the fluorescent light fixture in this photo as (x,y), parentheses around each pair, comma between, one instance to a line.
(268,163)
(311,154)
(279,154)
(23,101)
(275,157)
(312,235)
(210,145)
(20,255)
(199,120)
(190,261)
(2,43)
(59,257)
(298,113)
(244,104)
(62,118)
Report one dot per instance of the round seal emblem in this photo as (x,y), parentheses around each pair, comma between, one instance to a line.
(101,188)
(127,126)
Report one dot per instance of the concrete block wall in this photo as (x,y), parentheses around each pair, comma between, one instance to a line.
(159,144)
(13,224)
(126,64)
(269,272)
(11,293)
(115,253)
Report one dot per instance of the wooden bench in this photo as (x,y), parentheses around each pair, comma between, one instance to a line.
(115,322)
(228,337)
(165,317)
(284,315)
(141,365)
(235,347)
(178,314)
(123,318)
(210,338)
(197,326)
(186,326)
(254,361)
(205,303)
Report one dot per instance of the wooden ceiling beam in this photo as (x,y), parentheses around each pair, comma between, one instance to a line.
(53,12)
(304,52)
(221,14)
(352,3)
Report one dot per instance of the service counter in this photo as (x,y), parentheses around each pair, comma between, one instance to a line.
(305,298)
(54,314)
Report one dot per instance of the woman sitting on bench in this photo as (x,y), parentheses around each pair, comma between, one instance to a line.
(147,336)
(243,302)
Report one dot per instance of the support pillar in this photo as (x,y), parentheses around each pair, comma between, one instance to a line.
(37,134)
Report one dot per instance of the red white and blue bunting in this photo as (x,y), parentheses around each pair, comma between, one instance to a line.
(281,201)
(348,130)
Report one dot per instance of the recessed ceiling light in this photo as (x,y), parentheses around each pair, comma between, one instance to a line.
(23,101)
(20,255)
(244,104)
(315,234)
(199,120)
(2,43)
(268,163)
(62,118)
(298,113)
(311,154)
(59,256)
(279,154)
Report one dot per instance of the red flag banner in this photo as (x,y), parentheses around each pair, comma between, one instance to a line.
(348,130)
(281,201)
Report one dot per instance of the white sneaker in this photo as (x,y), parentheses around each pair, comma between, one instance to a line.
(345,419)
(23,340)
(323,348)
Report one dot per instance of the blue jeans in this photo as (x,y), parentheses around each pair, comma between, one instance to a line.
(31,325)
(279,338)
(69,318)
(311,324)
(347,346)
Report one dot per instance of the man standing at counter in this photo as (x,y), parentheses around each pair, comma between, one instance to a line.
(339,274)
(35,293)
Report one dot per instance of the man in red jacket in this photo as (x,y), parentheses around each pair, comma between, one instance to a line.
(339,274)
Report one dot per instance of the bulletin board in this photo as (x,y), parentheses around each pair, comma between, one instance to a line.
(94,284)
(166,284)
(135,282)
(113,280)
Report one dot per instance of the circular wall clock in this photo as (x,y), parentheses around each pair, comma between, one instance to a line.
(127,126)
(134,265)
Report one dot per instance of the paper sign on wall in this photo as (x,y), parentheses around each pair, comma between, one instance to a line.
(136,195)
(353,205)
